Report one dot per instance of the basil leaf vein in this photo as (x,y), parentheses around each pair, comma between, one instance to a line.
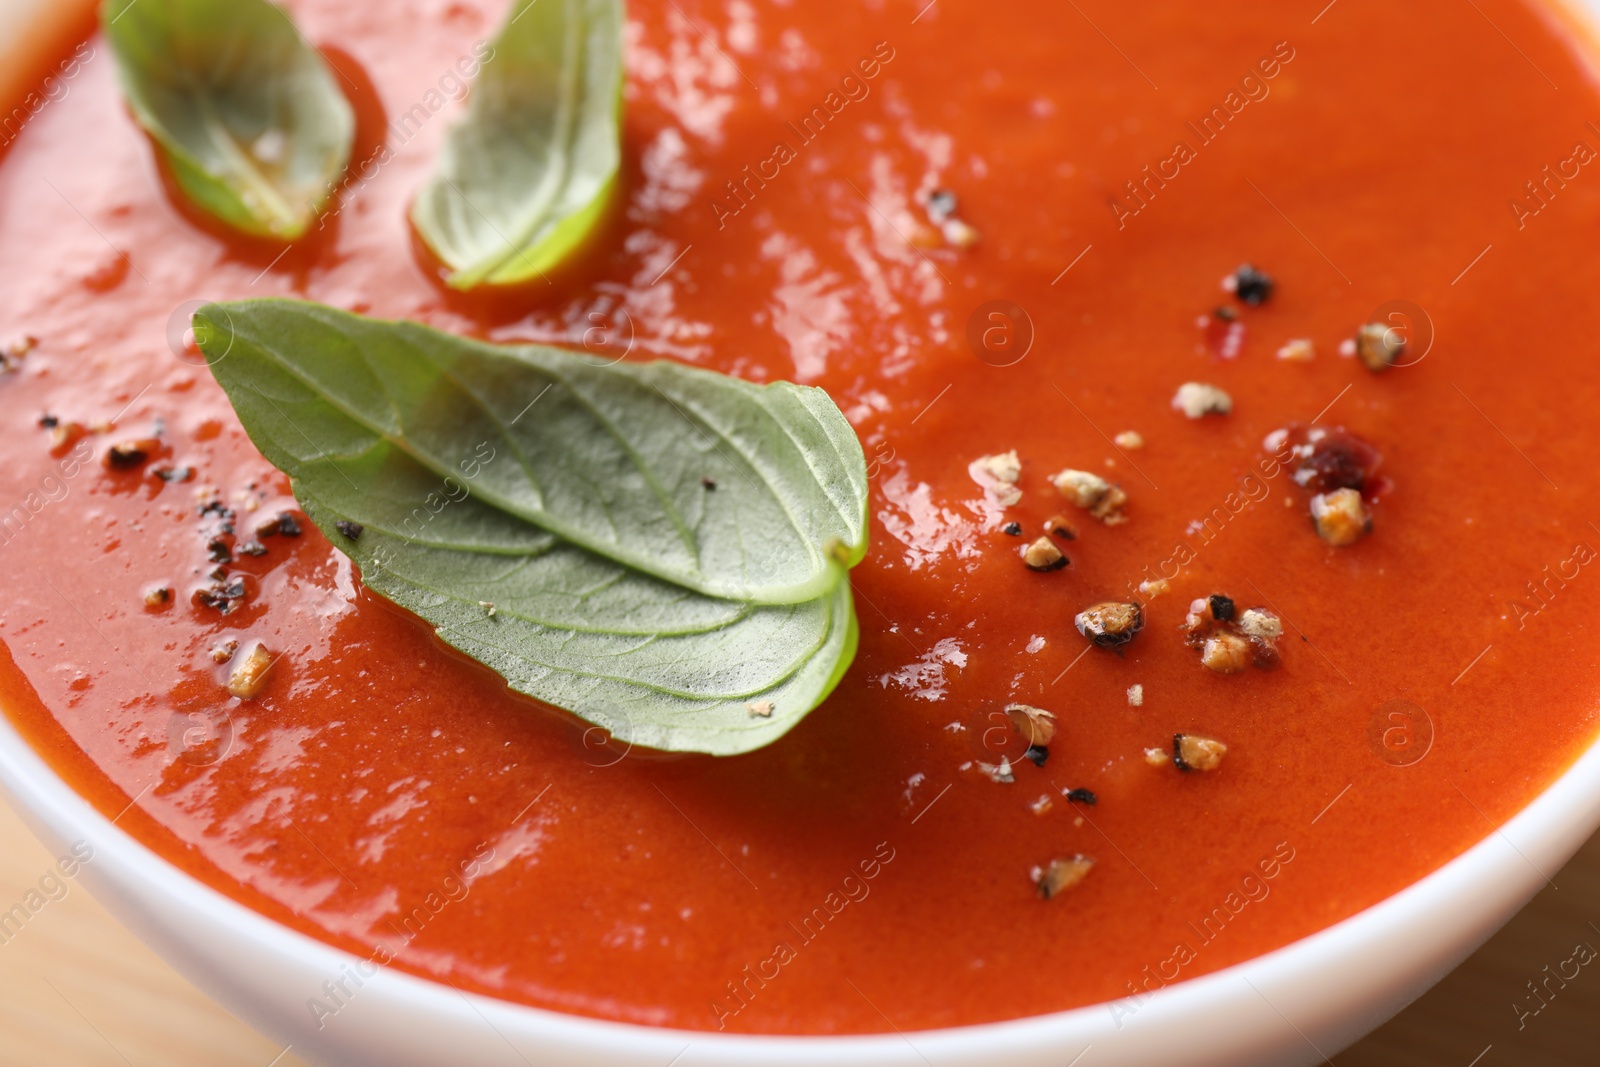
(526,173)
(247,115)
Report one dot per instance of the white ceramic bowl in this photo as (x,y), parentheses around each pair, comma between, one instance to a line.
(1296,1006)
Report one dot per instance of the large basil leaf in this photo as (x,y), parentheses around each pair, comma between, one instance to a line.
(655,664)
(247,115)
(730,489)
(332,399)
(525,174)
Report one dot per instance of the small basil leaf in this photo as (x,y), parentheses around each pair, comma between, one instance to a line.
(525,174)
(734,490)
(247,114)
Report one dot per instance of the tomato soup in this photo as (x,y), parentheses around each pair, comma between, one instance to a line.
(982,229)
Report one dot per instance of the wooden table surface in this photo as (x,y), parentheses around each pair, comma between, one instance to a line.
(77,990)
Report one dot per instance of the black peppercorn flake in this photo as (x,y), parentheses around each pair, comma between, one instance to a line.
(126,455)
(288,525)
(1251,286)
(1012,529)
(350,529)
(1082,796)
(1038,754)
(48,422)
(1222,608)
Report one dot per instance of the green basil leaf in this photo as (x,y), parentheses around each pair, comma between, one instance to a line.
(654,664)
(734,490)
(526,173)
(247,114)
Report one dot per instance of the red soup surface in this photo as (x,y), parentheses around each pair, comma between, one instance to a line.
(1113,163)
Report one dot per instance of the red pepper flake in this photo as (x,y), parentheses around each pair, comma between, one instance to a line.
(1222,337)
(1341,471)
(1326,458)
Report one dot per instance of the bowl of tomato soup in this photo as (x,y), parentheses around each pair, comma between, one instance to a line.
(1274,342)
